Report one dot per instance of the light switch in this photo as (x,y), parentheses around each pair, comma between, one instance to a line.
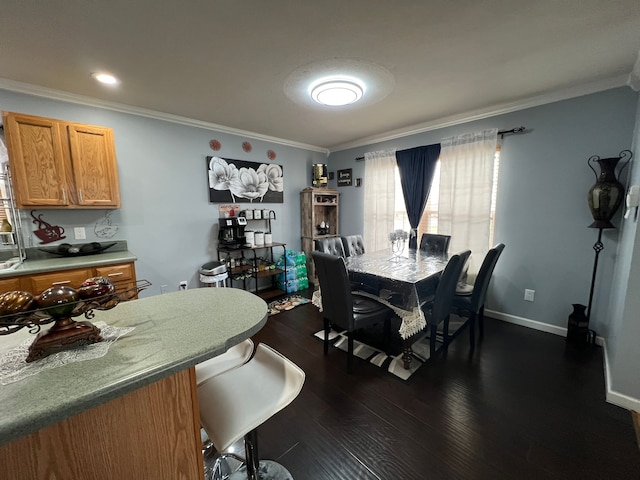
(79,233)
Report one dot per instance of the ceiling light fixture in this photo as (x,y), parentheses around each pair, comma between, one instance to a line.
(105,78)
(336,93)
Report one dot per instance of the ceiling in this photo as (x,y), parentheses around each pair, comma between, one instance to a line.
(237,63)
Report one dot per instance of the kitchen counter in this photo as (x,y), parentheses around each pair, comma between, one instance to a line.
(41,262)
(173,332)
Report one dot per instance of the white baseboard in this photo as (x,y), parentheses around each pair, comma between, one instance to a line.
(612,397)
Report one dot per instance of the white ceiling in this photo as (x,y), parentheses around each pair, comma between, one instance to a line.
(226,62)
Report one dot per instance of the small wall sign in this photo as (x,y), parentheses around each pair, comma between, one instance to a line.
(345,178)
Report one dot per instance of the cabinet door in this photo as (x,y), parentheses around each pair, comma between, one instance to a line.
(95,170)
(10,285)
(69,278)
(122,276)
(37,160)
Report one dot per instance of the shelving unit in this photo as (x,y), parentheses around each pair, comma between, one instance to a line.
(12,251)
(249,270)
(318,205)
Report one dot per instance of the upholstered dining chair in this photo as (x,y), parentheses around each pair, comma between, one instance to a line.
(353,245)
(469,302)
(435,243)
(437,310)
(344,308)
(331,245)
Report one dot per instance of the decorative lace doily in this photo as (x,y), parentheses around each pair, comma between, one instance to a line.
(14,368)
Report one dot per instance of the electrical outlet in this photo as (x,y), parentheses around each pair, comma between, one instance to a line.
(529,294)
(79,233)
(163,288)
(182,285)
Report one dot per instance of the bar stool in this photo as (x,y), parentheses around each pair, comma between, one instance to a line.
(234,403)
(216,465)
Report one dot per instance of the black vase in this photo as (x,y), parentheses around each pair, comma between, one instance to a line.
(605,196)
(578,326)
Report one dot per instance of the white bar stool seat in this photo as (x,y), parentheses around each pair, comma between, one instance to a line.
(234,403)
(232,358)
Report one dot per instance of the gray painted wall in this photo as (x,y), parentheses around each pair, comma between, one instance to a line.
(166,216)
(622,343)
(542,213)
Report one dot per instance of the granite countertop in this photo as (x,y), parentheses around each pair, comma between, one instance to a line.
(40,262)
(173,332)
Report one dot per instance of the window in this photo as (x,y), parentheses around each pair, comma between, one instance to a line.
(429,221)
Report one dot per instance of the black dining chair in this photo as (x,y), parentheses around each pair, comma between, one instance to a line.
(438,309)
(353,245)
(469,303)
(346,309)
(435,243)
(331,245)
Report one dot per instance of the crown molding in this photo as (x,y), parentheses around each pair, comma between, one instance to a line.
(52,94)
(500,109)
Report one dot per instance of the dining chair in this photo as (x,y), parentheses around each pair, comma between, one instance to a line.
(344,308)
(438,309)
(435,243)
(331,245)
(353,245)
(469,303)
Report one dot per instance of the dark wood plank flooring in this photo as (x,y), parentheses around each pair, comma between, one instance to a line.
(518,407)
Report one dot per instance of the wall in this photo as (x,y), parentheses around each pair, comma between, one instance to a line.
(542,213)
(622,344)
(166,216)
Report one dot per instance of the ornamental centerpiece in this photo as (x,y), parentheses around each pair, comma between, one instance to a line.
(398,239)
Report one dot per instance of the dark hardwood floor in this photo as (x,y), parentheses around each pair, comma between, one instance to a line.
(518,407)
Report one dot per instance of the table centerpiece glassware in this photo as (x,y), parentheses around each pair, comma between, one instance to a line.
(398,239)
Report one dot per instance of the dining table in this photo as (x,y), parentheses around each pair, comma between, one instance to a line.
(404,282)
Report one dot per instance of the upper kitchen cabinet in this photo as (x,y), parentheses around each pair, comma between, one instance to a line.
(58,164)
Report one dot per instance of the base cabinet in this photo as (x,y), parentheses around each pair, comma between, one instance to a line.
(123,277)
(152,432)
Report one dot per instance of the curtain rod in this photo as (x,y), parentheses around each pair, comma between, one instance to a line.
(502,133)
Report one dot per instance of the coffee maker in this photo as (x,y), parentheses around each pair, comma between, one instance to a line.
(231,232)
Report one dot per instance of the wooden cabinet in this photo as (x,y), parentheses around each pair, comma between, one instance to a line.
(318,206)
(123,277)
(58,164)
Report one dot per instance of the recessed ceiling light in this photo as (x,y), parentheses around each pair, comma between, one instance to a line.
(336,93)
(105,78)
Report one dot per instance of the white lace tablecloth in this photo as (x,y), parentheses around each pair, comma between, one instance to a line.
(13,365)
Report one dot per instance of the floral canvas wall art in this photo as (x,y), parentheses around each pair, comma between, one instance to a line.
(239,181)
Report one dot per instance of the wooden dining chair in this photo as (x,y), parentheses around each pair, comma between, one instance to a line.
(344,308)
(435,243)
(469,303)
(437,311)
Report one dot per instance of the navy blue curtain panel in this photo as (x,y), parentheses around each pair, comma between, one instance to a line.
(416,166)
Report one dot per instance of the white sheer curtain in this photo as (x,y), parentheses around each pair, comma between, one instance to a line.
(379,198)
(466,180)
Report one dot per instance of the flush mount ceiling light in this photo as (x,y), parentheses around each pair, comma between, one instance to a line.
(362,83)
(336,93)
(105,78)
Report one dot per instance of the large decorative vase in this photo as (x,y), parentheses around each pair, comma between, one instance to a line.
(605,196)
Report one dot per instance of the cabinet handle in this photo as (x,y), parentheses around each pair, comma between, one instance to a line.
(80,194)
(61,283)
(64,195)
(117,274)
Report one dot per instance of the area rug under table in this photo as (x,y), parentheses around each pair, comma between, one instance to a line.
(365,347)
